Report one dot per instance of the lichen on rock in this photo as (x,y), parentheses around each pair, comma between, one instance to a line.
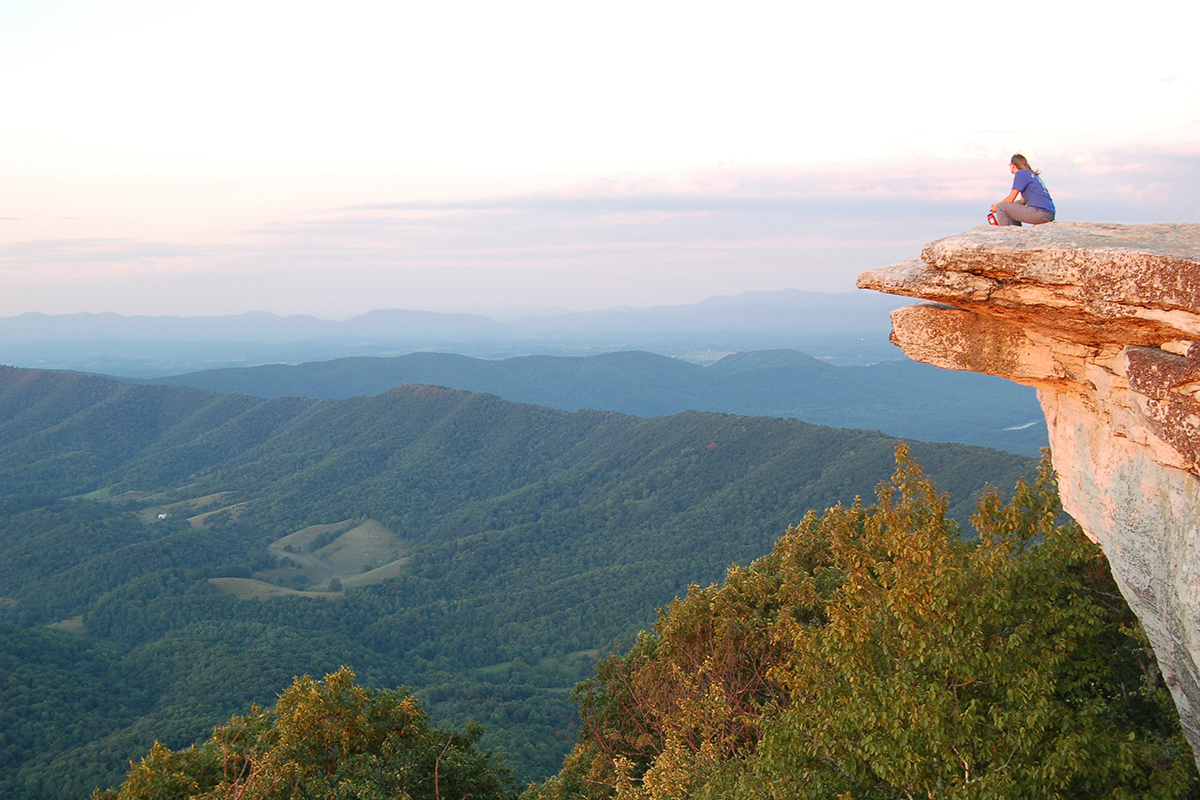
(1104,320)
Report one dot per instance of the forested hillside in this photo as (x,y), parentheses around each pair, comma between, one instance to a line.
(192,551)
(900,398)
(876,654)
(873,653)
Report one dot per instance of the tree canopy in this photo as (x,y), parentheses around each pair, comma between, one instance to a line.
(876,654)
(323,740)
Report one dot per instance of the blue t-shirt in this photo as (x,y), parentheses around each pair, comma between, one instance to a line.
(1033,190)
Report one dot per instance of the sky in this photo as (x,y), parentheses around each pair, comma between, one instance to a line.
(330,159)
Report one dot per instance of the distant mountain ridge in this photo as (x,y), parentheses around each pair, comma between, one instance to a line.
(851,327)
(900,398)
(761,311)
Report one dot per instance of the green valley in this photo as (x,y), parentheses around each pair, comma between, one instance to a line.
(171,553)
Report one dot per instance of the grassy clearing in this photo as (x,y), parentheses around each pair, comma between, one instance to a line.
(186,508)
(71,624)
(355,554)
(250,589)
(362,549)
(302,540)
(570,667)
(234,510)
(386,572)
(106,494)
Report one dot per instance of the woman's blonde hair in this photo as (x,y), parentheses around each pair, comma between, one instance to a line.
(1023,163)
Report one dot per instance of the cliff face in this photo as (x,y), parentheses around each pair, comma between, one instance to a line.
(1104,320)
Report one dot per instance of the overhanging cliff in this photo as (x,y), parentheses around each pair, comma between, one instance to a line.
(1104,320)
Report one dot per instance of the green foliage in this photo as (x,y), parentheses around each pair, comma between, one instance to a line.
(875,654)
(323,740)
(58,692)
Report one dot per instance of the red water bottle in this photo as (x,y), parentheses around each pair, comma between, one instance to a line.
(992,219)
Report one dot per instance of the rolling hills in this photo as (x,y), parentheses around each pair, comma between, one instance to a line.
(900,398)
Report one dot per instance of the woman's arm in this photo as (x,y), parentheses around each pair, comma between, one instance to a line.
(1012,197)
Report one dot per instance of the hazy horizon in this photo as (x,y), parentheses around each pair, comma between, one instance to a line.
(199,160)
(516,311)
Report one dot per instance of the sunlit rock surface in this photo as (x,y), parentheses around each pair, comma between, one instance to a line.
(1104,320)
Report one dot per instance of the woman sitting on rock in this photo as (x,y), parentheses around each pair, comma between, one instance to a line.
(1034,205)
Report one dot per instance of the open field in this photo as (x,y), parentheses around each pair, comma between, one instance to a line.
(205,504)
(105,493)
(302,540)
(198,520)
(378,575)
(362,549)
(356,555)
(250,589)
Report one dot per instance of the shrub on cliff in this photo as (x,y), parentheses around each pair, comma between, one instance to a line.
(876,654)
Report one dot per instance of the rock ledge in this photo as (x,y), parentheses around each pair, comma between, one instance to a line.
(1104,320)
